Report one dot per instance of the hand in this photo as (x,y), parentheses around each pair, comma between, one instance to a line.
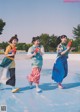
(13,53)
(73,48)
(34,54)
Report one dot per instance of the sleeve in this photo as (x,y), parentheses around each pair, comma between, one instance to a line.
(59,49)
(29,51)
(42,49)
(8,48)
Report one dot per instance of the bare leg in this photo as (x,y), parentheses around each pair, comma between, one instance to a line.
(60,86)
(37,88)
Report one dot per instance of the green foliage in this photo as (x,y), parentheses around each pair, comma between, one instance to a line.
(49,42)
(76,32)
(76,42)
(3,45)
(44,38)
(23,46)
(2,24)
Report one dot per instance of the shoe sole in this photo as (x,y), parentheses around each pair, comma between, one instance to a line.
(39,91)
(15,90)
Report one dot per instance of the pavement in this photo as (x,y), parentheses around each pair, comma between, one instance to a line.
(51,99)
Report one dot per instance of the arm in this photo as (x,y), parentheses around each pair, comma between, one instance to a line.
(60,50)
(30,54)
(64,52)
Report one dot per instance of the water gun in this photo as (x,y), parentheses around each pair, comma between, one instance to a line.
(14,50)
(69,43)
(36,50)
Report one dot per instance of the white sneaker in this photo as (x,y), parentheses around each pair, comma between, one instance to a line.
(38,90)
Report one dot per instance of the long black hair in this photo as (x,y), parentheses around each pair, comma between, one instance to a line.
(59,39)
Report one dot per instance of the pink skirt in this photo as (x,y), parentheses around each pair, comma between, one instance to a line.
(35,75)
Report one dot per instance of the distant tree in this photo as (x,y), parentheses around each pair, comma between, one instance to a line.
(23,46)
(2,24)
(20,46)
(49,42)
(44,38)
(52,43)
(76,32)
(3,45)
(28,46)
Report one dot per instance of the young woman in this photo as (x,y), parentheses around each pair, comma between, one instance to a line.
(60,68)
(8,65)
(35,52)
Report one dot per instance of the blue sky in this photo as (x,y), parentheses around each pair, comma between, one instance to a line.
(29,18)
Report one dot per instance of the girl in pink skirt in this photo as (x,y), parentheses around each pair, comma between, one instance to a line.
(35,52)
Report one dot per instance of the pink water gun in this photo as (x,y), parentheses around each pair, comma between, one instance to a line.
(36,50)
(14,50)
(69,43)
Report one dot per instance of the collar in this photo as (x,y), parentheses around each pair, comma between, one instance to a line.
(35,46)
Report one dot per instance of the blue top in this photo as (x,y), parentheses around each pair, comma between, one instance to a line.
(37,60)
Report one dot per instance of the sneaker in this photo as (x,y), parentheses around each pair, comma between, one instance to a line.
(60,86)
(15,90)
(38,90)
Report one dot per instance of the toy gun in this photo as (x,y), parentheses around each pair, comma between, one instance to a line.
(69,43)
(14,50)
(36,50)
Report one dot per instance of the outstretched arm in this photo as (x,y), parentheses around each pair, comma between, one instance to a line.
(60,50)
(64,52)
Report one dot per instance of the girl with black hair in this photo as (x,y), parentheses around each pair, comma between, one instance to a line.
(8,65)
(35,52)
(60,68)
